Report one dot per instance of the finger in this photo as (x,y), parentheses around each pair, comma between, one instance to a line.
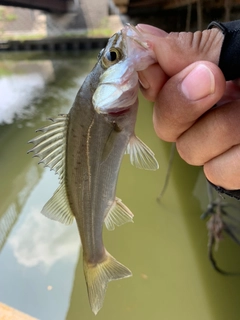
(224,170)
(232,92)
(146,28)
(185,97)
(156,79)
(175,51)
(212,135)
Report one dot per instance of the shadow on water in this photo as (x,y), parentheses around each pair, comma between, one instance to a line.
(166,247)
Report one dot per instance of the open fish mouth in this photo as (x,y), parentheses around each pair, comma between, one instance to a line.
(111,97)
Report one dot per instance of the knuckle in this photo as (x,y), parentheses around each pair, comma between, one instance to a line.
(162,128)
(187,153)
(149,94)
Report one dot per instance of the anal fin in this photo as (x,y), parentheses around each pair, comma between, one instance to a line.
(118,215)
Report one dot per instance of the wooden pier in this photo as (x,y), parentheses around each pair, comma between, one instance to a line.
(8,313)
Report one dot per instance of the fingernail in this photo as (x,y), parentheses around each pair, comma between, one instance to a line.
(146,28)
(143,81)
(199,83)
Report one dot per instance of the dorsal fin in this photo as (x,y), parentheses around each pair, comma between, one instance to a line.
(118,215)
(50,146)
(141,156)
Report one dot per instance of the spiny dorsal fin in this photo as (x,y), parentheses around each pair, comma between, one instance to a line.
(141,156)
(98,275)
(50,146)
(118,215)
(58,208)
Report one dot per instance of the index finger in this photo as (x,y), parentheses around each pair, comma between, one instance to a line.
(151,81)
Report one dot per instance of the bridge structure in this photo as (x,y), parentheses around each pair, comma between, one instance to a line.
(125,6)
(132,7)
(55,6)
(55,25)
(62,18)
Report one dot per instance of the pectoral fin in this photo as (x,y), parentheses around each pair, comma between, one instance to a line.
(118,215)
(109,145)
(141,155)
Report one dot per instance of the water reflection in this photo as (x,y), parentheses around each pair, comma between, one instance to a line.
(19,105)
(49,242)
(34,90)
(25,83)
(40,262)
(9,216)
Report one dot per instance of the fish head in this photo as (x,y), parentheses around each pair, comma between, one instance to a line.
(126,53)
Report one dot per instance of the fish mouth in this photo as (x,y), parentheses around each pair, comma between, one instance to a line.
(109,99)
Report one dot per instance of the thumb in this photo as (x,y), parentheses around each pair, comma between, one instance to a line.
(176,50)
(184,98)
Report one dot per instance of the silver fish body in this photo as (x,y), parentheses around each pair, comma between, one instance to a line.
(98,151)
(86,148)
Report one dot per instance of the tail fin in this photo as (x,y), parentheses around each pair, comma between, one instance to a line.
(97,278)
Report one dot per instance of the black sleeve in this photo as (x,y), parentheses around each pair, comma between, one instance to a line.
(231,193)
(229,63)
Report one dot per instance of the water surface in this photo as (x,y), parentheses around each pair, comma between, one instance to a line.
(166,247)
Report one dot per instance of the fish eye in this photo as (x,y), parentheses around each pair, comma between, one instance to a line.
(111,57)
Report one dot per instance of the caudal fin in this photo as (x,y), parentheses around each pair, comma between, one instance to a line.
(97,278)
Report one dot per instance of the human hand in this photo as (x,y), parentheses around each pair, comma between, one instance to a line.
(185,85)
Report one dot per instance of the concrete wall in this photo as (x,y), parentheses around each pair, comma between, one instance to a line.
(87,14)
(84,14)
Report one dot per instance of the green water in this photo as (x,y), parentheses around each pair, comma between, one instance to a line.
(166,247)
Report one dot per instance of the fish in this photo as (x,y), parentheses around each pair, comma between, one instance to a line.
(85,148)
